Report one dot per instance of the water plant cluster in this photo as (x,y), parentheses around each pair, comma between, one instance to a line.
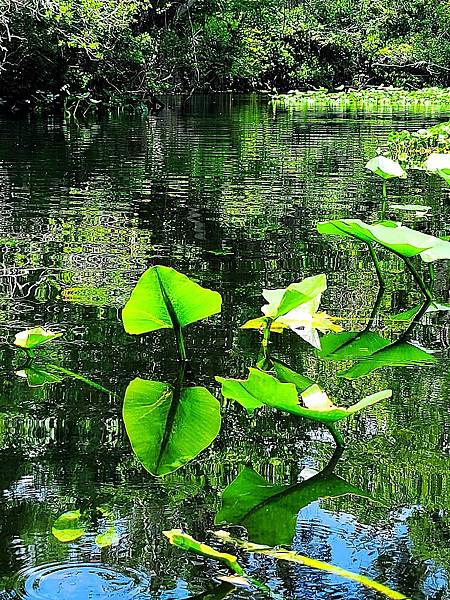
(170,423)
(412,148)
(366,98)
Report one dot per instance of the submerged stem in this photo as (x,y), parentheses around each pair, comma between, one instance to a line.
(376,264)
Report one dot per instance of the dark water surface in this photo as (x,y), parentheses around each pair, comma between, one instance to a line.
(85,209)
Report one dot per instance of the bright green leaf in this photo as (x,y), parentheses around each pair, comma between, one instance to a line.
(68,527)
(291,556)
(184,541)
(404,241)
(168,427)
(262,389)
(31,338)
(281,301)
(164,298)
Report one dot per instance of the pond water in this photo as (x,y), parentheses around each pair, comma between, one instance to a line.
(229,193)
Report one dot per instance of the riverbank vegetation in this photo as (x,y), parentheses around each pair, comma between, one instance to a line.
(104,53)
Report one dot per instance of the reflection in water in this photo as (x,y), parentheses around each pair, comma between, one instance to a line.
(86,209)
(80,581)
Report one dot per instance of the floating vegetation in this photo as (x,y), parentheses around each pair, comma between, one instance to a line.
(32,338)
(371,99)
(262,389)
(412,148)
(75,524)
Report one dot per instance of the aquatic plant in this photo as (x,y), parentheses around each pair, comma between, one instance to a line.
(75,524)
(166,299)
(402,241)
(440,164)
(32,338)
(412,148)
(169,425)
(295,307)
(187,543)
(385,168)
(423,99)
(262,389)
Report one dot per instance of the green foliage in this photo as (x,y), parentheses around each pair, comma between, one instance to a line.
(402,240)
(169,426)
(385,167)
(262,389)
(164,298)
(89,54)
(74,524)
(413,148)
(184,541)
(32,338)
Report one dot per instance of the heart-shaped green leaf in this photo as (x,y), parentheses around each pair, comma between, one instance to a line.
(164,299)
(168,427)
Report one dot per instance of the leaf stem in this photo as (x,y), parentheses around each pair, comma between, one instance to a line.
(263,362)
(376,264)
(337,436)
(181,348)
(418,279)
(384,203)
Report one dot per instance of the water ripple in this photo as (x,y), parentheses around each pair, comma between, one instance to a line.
(81,581)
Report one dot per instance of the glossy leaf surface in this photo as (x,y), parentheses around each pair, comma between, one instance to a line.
(393,236)
(281,301)
(32,338)
(164,299)
(168,427)
(261,389)
(295,557)
(269,512)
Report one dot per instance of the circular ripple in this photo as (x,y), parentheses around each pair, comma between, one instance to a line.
(82,581)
